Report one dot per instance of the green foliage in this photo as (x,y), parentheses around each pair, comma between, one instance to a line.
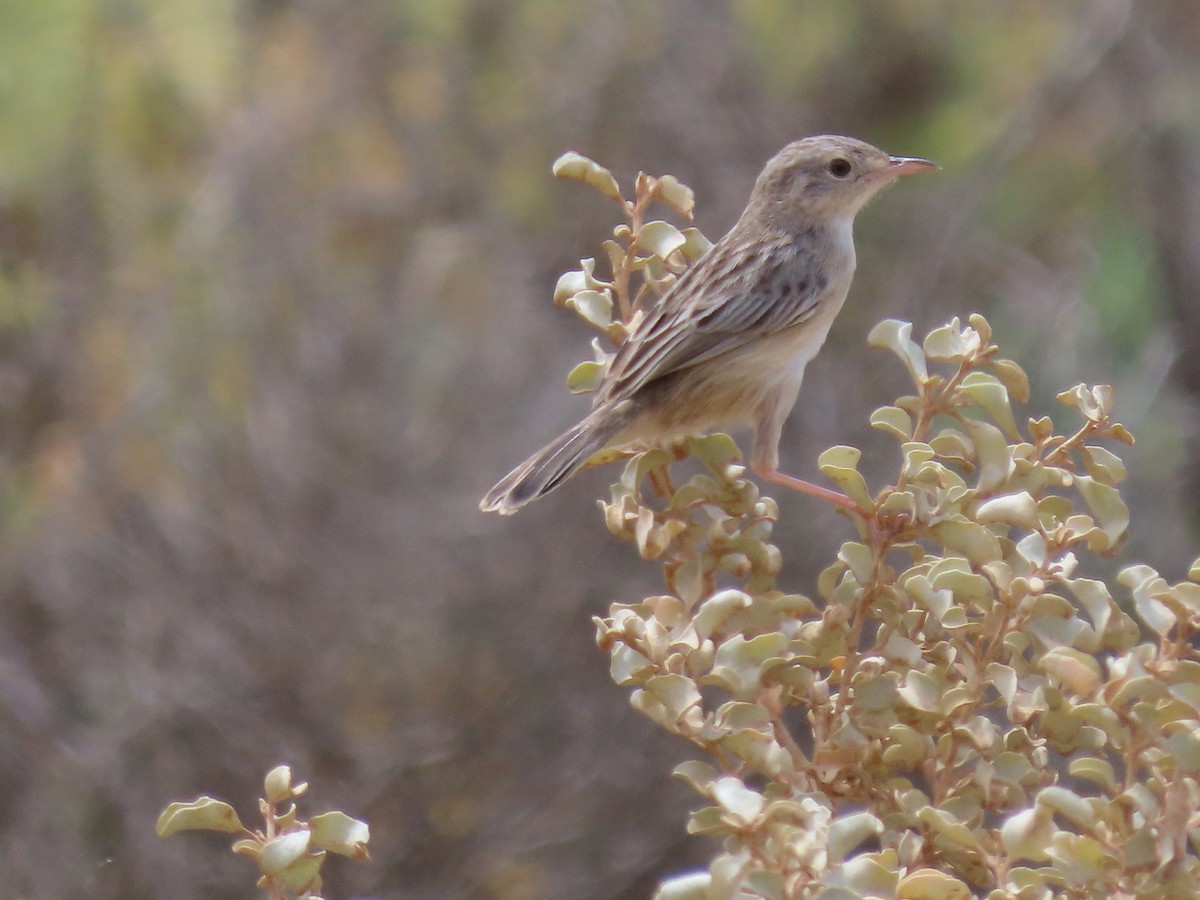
(962,710)
(289,852)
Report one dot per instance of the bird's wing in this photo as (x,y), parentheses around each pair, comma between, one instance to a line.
(740,291)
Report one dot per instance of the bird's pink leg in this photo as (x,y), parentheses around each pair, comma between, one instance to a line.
(764,460)
(881,533)
(807,487)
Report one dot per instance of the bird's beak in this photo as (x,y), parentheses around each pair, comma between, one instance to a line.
(907,165)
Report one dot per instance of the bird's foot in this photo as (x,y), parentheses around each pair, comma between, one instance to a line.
(840,500)
(884,527)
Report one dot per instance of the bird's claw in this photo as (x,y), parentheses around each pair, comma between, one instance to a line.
(885,527)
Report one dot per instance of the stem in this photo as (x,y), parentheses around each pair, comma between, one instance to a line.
(1070,443)
(1131,767)
(856,626)
(621,283)
(931,406)
(785,739)
(633,212)
(660,480)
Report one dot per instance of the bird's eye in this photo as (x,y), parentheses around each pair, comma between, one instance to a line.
(839,168)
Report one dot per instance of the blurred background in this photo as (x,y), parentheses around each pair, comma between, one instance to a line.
(275,310)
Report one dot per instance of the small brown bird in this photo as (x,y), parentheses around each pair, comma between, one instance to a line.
(727,344)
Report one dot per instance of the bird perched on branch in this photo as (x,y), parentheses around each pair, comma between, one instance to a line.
(727,344)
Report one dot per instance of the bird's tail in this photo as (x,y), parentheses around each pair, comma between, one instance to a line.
(553,464)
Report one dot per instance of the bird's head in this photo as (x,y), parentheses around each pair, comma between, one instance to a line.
(827,177)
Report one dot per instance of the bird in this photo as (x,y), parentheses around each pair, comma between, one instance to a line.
(727,344)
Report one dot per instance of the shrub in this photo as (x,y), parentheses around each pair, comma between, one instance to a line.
(288,851)
(962,710)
